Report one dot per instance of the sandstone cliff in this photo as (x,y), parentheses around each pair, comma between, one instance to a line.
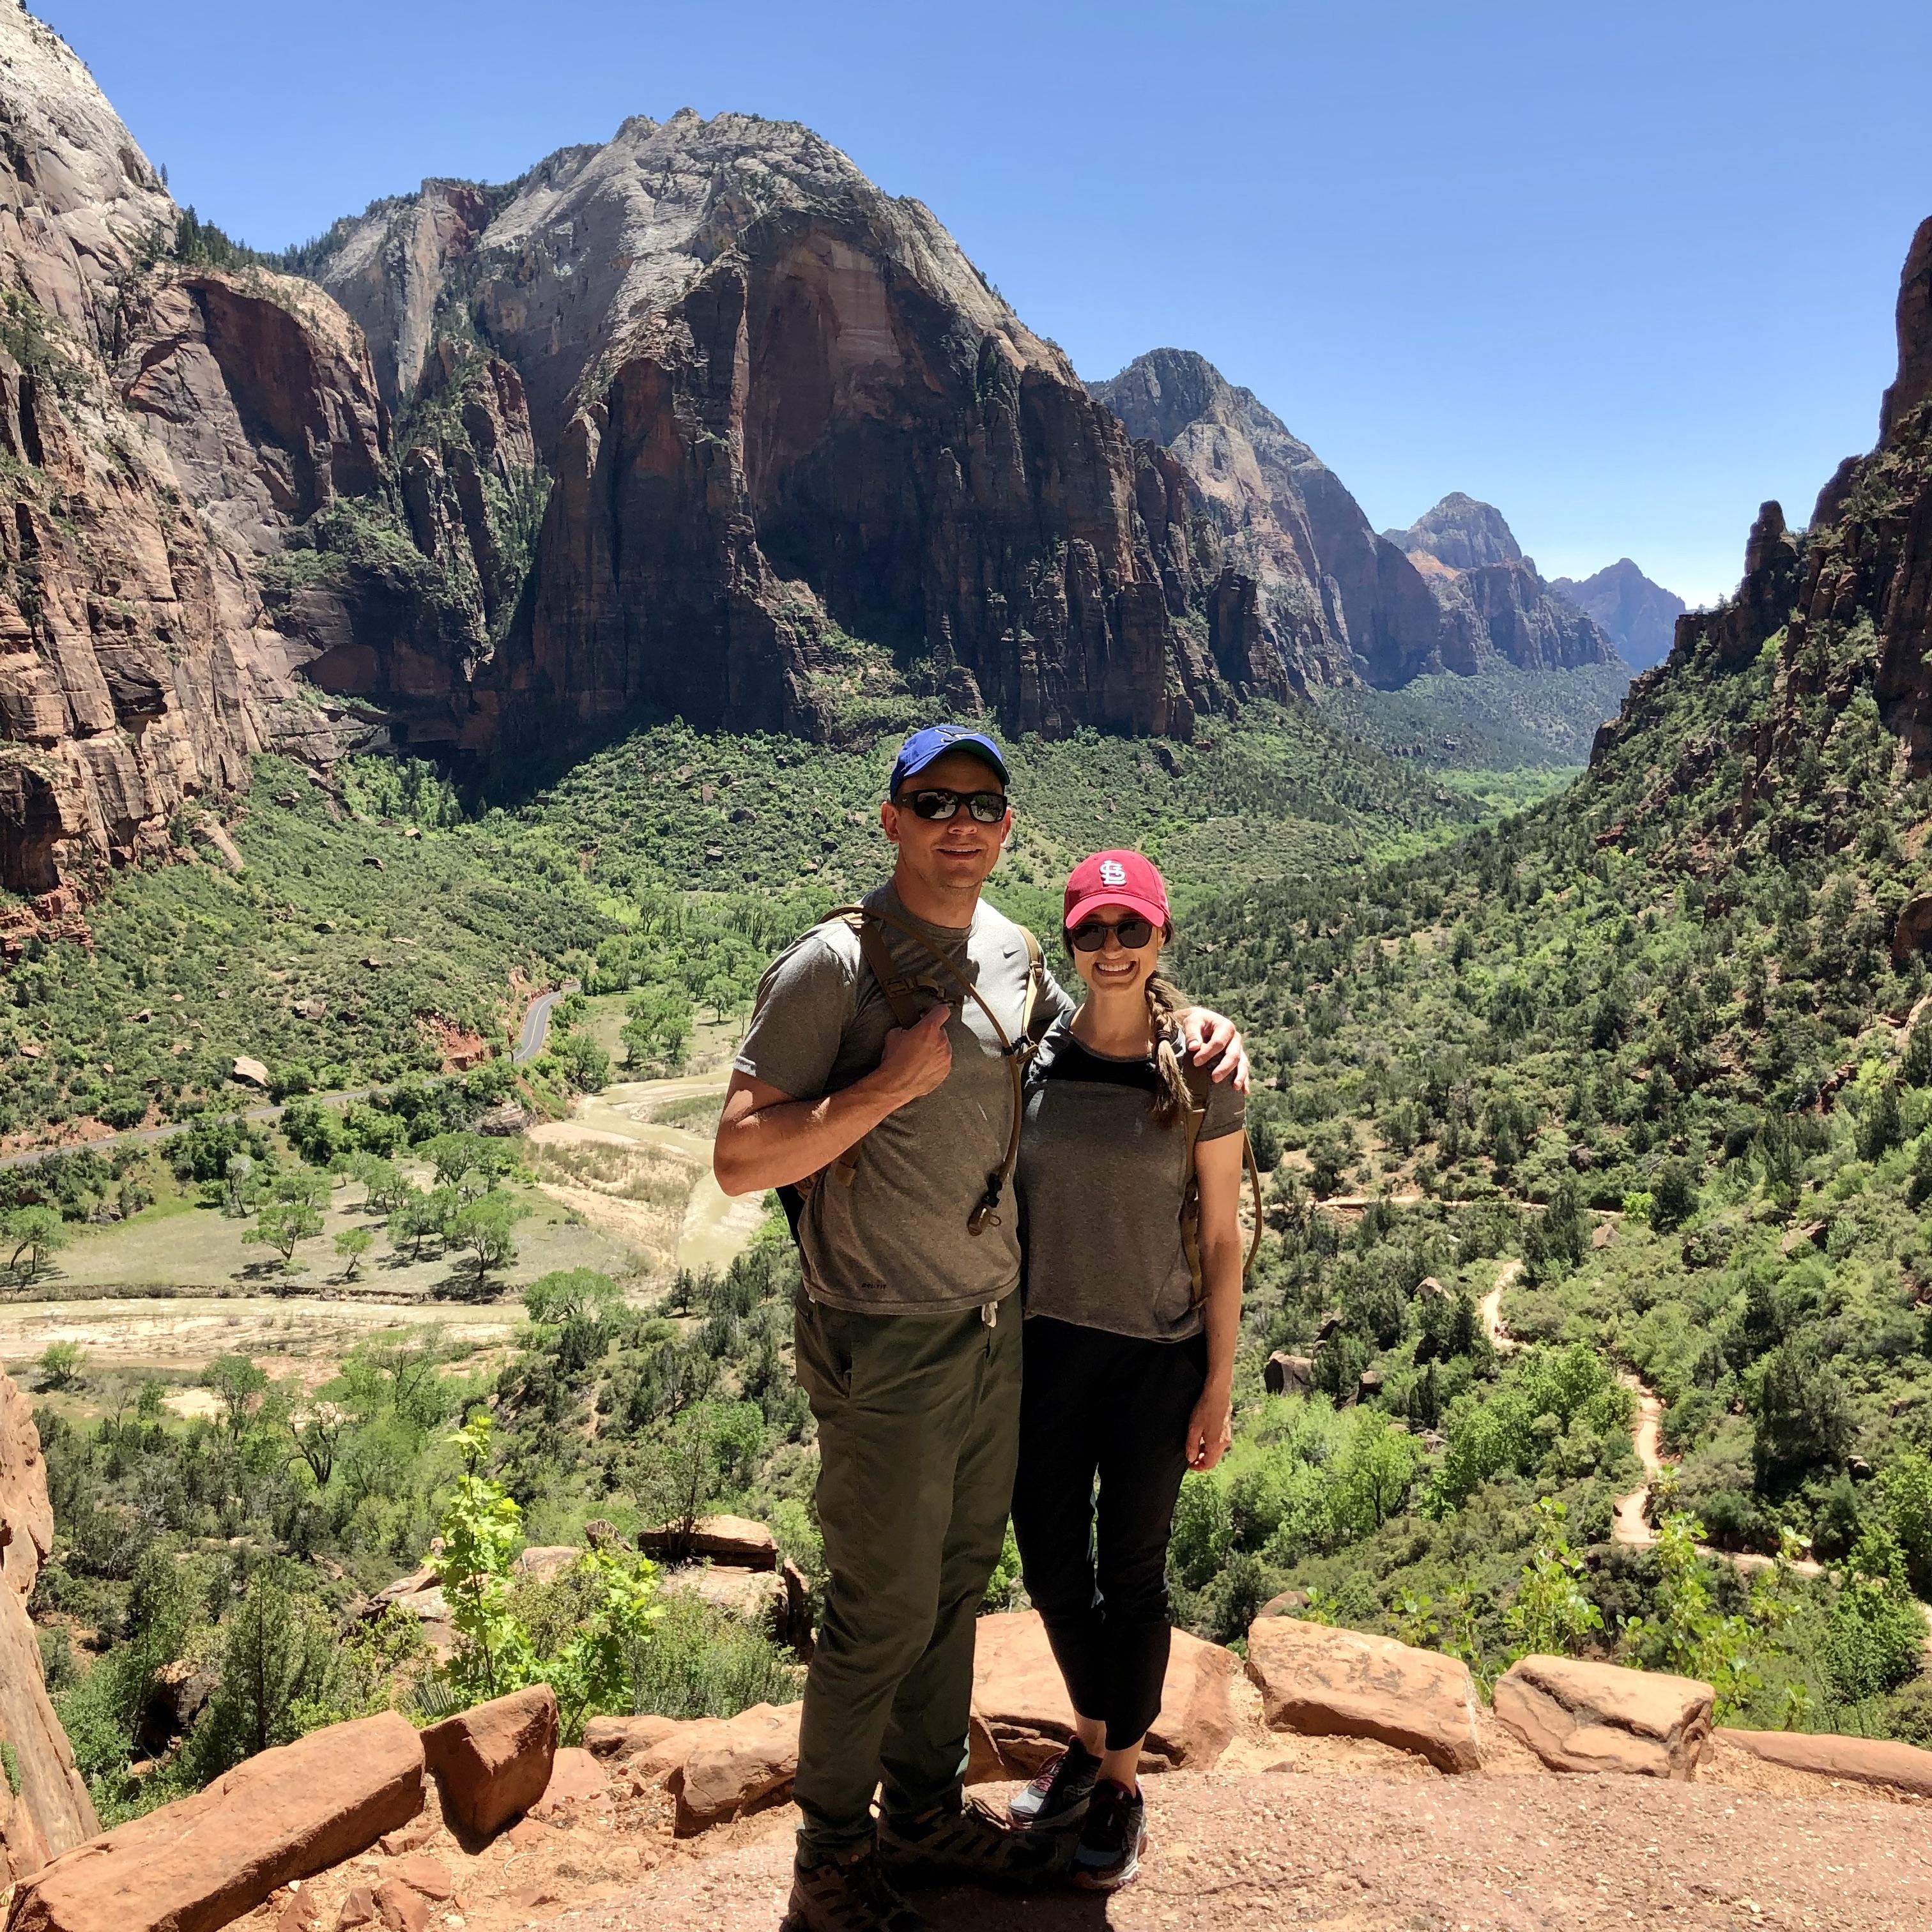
(1338,602)
(51,1811)
(1844,608)
(1492,601)
(1638,616)
(162,427)
(782,411)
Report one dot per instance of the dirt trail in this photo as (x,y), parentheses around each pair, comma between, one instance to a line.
(1647,1439)
(1234,1853)
(1490,1308)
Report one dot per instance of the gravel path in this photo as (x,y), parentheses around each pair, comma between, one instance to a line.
(1238,1854)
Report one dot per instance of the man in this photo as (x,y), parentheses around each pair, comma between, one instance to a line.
(905,1342)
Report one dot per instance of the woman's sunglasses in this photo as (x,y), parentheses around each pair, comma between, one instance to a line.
(988,808)
(1090,934)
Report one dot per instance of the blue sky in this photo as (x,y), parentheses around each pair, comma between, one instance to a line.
(1622,271)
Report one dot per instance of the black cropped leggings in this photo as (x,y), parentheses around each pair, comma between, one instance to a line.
(1096,1407)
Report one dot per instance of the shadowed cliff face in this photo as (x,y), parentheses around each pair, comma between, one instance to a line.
(779,405)
(1339,603)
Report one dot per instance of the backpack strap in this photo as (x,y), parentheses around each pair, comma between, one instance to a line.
(900,990)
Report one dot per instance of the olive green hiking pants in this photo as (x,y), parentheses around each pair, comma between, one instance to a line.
(918,1433)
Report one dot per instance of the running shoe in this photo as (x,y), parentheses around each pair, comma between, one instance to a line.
(1111,1840)
(1058,1795)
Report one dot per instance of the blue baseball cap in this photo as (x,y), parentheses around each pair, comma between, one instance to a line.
(928,746)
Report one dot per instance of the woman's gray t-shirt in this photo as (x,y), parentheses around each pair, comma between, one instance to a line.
(1100,1186)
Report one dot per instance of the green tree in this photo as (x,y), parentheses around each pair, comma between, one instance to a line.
(657,1027)
(1802,1418)
(61,1363)
(278,1654)
(1551,1614)
(239,1386)
(417,1217)
(486,1228)
(34,1234)
(351,1244)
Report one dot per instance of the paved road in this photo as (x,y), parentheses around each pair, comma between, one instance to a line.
(536,1022)
(536,1029)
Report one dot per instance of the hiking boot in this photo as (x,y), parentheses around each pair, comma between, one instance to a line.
(965,1841)
(1111,1840)
(850,1894)
(1058,1795)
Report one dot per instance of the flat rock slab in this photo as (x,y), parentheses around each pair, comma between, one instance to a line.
(1599,1716)
(734,1540)
(1022,1717)
(624,1738)
(1263,1853)
(1862,1760)
(1342,1683)
(197,1864)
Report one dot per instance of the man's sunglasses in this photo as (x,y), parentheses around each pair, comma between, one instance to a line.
(988,807)
(1090,934)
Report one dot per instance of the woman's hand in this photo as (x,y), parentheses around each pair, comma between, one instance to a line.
(1211,1429)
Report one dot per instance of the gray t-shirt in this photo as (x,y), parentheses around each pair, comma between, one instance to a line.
(895,1242)
(1100,1181)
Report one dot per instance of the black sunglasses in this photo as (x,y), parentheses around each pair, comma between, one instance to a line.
(988,807)
(1090,934)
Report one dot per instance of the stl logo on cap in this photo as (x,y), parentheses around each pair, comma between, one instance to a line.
(1112,872)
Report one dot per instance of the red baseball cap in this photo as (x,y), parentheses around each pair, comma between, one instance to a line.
(1116,879)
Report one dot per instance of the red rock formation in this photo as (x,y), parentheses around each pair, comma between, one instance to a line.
(780,405)
(51,1812)
(163,430)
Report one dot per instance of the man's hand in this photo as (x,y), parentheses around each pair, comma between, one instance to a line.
(1213,1041)
(917,1058)
(1210,1429)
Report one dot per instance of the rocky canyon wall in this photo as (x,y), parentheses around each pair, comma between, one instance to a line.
(50,1812)
(1846,603)
(162,429)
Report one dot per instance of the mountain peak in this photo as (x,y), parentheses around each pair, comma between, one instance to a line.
(1463,532)
(1640,617)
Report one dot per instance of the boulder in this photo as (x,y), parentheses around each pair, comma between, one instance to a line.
(494,1762)
(1288,1603)
(1020,1700)
(249,1071)
(1856,1760)
(545,1562)
(748,1764)
(1287,1375)
(733,1541)
(1342,1683)
(778,1602)
(619,1739)
(200,1863)
(1599,1716)
(508,1119)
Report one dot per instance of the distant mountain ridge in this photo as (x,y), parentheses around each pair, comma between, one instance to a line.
(1340,604)
(1490,593)
(1640,617)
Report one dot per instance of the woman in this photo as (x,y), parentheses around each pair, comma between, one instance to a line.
(1129,1368)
